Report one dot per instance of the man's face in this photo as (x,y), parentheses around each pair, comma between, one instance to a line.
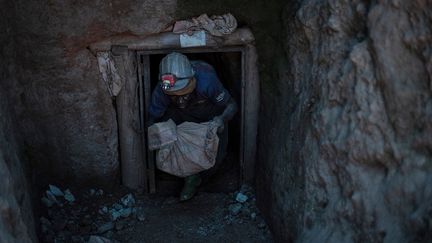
(181,101)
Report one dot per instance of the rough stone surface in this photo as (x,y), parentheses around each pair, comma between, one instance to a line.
(345,144)
(66,113)
(16,217)
(346,135)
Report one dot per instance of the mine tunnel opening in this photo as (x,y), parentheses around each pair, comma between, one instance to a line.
(227,177)
(147,200)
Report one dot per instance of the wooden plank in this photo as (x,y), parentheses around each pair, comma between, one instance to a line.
(128,121)
(251,110)
(143,118)
(147,96)
(169,40)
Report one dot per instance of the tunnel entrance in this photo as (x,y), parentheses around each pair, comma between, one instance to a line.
(129,67)
(228,66)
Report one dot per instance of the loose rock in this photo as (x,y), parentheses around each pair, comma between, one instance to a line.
(235,208)
(69,196)
(55,191)
(105,227)
(241,198)
(98,239)
(128,200)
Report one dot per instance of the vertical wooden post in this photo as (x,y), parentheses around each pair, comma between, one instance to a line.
(145,100)
(150,154)
(251,102)
(133,175)
(141,69)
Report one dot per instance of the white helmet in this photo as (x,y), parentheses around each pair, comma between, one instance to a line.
(176,74)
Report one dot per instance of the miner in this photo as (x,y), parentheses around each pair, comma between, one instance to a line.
(191,91)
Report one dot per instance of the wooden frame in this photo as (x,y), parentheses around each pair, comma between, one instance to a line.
(239,41)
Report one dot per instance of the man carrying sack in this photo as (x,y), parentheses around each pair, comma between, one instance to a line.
(191,95)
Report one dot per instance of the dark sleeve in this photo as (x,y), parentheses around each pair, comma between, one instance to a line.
(217,93)
(159,103)
(212,87)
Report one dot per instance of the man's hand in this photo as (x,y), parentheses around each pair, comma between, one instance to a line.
(218,120)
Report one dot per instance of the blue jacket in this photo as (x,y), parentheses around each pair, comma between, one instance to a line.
(208,87)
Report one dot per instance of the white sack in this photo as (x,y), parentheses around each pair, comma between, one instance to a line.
(193,150)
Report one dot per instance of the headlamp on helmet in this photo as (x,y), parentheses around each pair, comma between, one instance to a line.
(168,81)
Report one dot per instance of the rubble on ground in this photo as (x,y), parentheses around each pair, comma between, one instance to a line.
(97,216)
(69,220)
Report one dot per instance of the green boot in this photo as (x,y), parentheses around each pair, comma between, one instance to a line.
(190,187)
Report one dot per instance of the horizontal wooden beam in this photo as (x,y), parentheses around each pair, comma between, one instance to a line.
(169,40)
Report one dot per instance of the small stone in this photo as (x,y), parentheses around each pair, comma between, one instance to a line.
(128,200)
(115,215)
(98,239)
(68,196)
(261,225)
(105,227)
(253,216)
(126,212)
(235,208)
(117,206)
(55,191)
(92,192)
(241,198)
(51,197)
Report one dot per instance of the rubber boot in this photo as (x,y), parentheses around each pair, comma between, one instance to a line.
(190,187)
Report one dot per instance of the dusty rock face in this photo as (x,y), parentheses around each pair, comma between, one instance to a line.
(66,114)
(353,127)
(345,145)
(16,217)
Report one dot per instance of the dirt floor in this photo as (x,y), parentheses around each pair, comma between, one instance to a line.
(123,216)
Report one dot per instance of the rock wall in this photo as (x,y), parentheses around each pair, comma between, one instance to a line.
(16,217)
(66,113)
(346,135)
(345,139)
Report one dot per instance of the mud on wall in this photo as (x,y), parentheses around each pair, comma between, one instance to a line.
(354,124)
